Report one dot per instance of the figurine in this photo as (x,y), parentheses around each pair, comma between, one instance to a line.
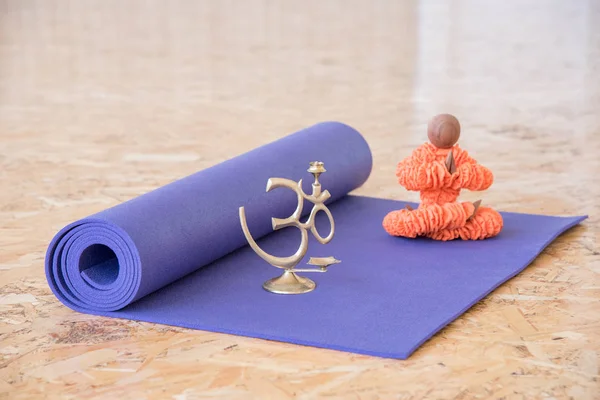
(439,170)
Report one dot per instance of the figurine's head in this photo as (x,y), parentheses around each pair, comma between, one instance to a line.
(443,131)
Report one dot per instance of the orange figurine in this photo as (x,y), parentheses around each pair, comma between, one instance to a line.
(439,170)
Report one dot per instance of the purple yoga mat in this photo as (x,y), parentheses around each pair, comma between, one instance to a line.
(177,255)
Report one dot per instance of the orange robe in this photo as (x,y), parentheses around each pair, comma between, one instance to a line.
(439,215)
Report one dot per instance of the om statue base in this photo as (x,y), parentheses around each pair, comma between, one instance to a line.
(289,283)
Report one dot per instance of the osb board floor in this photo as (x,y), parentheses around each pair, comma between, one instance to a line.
(101,101)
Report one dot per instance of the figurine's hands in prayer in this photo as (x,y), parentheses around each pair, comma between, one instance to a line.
(454,180)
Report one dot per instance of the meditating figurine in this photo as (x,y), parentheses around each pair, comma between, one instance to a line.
(439,170)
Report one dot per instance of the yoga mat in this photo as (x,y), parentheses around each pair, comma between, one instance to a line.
(177,255)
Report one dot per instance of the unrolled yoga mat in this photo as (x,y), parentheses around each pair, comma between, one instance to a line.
(178,256)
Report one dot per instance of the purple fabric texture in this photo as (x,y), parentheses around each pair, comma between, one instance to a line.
(177,255)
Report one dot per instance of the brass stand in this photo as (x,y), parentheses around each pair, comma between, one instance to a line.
(289,283)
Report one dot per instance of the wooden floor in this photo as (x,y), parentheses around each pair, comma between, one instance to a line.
(101,101)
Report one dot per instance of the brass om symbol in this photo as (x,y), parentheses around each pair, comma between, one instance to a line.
(317,197)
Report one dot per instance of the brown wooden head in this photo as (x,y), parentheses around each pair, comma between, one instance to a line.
(443,131)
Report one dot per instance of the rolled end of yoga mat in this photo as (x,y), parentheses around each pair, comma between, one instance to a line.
(109,260)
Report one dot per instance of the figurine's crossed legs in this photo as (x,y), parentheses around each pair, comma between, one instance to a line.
(485,223)
(446,221)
